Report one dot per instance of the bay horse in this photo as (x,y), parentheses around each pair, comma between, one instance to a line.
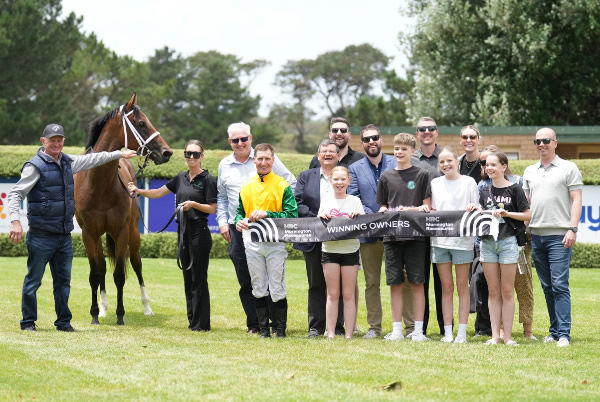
(103,205)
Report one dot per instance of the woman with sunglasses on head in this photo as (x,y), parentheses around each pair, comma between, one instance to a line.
(452,192)
(196,193)
(523,276)
(507,202)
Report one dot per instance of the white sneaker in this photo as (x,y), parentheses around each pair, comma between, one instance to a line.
(409,336)
(419,338)
(447,339)
(530,337)
(562,342)
(371,334)
(460,339)
(549,339)
(491,341)
(510,342)
(393,336)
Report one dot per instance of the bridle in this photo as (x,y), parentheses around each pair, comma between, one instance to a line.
(142,150)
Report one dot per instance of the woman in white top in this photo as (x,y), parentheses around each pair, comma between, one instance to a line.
(340,257)
(452,192)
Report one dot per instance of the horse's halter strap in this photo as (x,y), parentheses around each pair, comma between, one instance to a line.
(142,150)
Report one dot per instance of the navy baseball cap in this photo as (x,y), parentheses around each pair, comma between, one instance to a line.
(52,130)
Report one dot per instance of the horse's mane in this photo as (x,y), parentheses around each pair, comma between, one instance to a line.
(98,124)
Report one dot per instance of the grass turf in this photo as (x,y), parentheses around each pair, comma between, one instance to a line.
(157,357)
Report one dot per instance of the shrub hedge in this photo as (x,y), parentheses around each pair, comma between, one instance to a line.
(13,158)
(164,245)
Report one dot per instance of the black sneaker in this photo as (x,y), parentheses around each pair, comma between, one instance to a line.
(66,329)
(313,333)
(29,328)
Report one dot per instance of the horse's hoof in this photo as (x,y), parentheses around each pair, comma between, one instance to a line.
(120,321)
(95,321)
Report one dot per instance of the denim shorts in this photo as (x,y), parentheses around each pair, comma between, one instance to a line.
(440,255)
(502,251)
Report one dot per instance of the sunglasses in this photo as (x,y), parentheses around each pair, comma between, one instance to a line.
(373,138)
(430,128)
(339,130)
(192,154)
(544,140)
(469,137)
(243,139)
(482,162)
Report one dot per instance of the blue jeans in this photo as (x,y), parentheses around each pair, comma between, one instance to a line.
(552,265)
(56,249)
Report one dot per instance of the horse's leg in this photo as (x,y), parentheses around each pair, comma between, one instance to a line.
(136,263)
(93,248)
(119,246)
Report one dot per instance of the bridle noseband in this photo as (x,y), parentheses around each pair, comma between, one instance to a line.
(142,150)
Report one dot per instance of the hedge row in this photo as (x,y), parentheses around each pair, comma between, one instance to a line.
(13,157)
(164,245)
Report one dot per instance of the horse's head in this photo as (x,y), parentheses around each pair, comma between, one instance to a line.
(141,136)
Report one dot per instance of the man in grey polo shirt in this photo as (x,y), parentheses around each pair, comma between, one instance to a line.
(553,187)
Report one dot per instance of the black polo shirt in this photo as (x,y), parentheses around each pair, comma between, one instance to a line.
(203,190)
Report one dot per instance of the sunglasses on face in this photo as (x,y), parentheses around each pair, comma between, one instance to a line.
(373,138)
(339,130)
(482,162)
(430,128)
(544,140)
(236,140)
(469,137)
(192,154)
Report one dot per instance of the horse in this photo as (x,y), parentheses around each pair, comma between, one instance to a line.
(103,204)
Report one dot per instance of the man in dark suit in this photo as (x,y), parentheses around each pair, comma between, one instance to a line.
(312,186)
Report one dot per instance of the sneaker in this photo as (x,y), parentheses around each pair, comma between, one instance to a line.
(371,334)
(447,339)
(356,331)
(549,339)
(66,329)
(409,336)
(510,342)
(530,337)
(313,333)
(491,342)
(479,333)
(419,338)
(29,328)
(393,336)
(562,342)
(460,339)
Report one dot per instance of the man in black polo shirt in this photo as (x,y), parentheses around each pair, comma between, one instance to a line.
(339,131)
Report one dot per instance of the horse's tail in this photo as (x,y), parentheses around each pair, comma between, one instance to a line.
(110,249)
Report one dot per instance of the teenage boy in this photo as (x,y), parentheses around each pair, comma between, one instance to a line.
(405,188)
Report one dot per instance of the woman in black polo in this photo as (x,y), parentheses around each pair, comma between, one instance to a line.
(196,192)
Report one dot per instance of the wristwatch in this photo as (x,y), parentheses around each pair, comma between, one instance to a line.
(573,229)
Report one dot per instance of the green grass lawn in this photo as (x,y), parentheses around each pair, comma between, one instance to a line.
(157,357)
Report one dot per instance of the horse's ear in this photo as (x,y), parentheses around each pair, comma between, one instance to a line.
(132,101)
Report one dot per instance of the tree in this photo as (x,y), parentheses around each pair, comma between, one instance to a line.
(36,51)
(506,61)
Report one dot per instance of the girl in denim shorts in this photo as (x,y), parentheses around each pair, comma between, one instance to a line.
(452,192)
(499,257)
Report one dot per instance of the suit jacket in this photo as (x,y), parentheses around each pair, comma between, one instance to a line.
(363,184)
(308,198)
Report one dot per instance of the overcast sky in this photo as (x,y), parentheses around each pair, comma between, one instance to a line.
(276,31)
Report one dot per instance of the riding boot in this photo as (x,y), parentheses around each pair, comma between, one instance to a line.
(281,308)
(263,317)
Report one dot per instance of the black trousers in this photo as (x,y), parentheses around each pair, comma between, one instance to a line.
(437,289)
(195,280)
(317,293)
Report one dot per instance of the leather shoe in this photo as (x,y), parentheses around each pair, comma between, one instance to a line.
(66,329)
(313,333)
(29,328)
(251,331)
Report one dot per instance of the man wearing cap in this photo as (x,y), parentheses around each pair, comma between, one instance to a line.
(47,183)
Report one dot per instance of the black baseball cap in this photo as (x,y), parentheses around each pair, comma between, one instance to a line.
(52,130)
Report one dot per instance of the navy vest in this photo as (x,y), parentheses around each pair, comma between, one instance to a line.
(51,202)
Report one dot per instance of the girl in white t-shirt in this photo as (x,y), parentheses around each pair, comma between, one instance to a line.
(452,192)
(340,257)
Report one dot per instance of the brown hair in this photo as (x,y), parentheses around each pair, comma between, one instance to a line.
(405,139)
(493,150)
(326,142)
(195,142)
(503,159)
(369,127)
(338,120)
(264,147)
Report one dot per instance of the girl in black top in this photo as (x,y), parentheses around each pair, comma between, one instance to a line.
(196,192)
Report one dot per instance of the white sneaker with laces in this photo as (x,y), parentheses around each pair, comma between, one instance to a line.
(371,334)
(447,339)
(562,342)
(460,339)
(394,336)
(549,339)
(419,338)
(491,341)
